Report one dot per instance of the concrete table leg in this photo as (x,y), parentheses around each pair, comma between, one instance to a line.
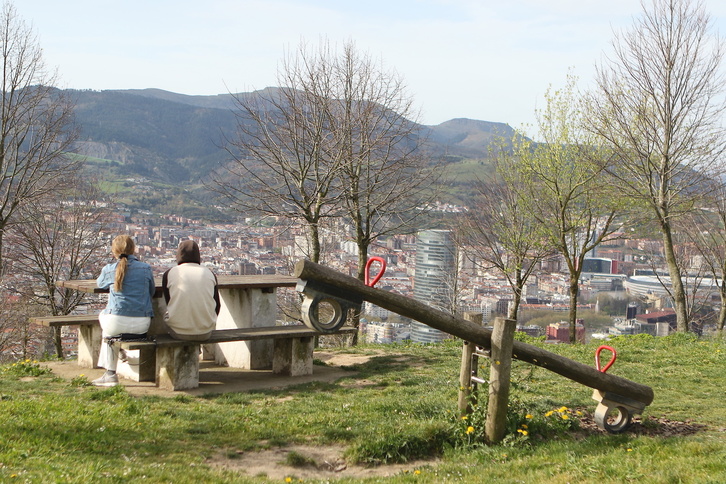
(293,357)
(89,345)
(246,308)
(178,367)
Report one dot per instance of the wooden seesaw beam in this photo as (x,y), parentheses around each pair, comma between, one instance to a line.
(468,331)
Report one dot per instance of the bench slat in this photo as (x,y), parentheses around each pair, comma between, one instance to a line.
(236,334)
(67,320)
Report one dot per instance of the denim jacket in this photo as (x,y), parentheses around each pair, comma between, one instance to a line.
(138,289)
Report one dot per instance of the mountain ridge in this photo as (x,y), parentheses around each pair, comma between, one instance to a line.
(176,139)
(180,138)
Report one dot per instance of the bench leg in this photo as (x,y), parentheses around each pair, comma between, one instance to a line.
(293,356)
(249,355)
(208,352)
(177,368)
(140,365)
(89,345)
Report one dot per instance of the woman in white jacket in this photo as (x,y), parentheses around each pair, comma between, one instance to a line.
(191,295)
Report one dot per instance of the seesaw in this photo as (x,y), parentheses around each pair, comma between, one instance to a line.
(618,398)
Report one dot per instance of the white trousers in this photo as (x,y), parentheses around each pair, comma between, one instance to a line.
(114,325)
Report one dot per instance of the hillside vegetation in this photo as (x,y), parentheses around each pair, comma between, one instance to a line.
(393,419)
(173,140)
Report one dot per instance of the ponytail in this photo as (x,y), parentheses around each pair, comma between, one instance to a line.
(123,263)
(122,247)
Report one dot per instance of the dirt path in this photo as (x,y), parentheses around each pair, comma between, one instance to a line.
(217,379)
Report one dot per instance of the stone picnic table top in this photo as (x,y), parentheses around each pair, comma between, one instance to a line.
(224,282)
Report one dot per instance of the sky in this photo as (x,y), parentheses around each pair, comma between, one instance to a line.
(490,60)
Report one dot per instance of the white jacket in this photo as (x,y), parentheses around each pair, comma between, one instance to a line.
(192,299)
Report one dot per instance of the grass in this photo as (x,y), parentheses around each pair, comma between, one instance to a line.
(397,407)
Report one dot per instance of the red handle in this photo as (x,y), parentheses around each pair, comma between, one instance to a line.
(612,359)
(380,273)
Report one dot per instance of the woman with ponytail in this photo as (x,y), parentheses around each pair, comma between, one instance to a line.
(131,286)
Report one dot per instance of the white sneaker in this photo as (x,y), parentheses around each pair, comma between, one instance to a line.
(106,381)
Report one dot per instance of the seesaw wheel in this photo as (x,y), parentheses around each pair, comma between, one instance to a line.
(613,419)
(322,314)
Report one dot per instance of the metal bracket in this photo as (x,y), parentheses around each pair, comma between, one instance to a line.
(614,412)
(338,302)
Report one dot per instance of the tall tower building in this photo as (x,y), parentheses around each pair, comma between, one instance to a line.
(432,281)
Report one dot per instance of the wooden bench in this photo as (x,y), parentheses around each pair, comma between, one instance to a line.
(89,334)
(176,362)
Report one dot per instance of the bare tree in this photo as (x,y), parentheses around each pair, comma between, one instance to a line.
(658,107)
(60,239)
(36,127)
(707,231)
(386,180)
(501,233)
(17,337)
(563,187)
(284,160)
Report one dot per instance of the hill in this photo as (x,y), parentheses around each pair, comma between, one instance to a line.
(170,138)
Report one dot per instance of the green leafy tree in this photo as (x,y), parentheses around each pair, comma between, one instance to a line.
(564,189)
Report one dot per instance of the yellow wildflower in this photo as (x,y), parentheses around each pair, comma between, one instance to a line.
(417,472)
(288,479)
(549,413)
(469,429)
(528,416)
(565,417)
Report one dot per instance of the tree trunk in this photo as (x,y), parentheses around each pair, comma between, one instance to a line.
(517,296)
(58,342)
(354,318)
(314,235)
(574,293)
(677,289)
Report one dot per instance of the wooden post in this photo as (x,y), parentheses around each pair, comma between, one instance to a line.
(469,331)
(467,352)
(499,379)
(465,373)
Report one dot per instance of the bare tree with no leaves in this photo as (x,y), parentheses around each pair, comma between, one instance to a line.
(284,155)
(60,239)
(338,140)
(707,232)
(658,107)
(36,128)
(386,180)
(501,233)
